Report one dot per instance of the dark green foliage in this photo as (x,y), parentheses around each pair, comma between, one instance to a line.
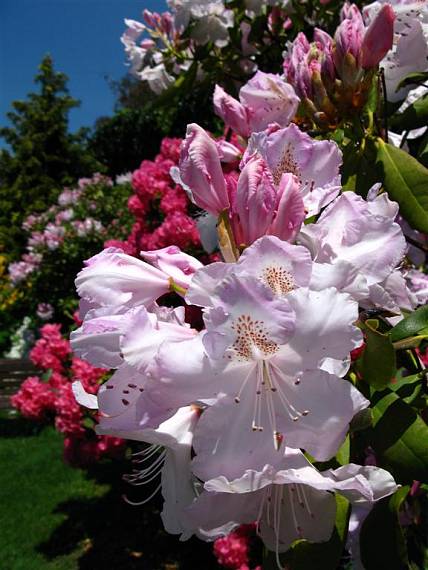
(42,156)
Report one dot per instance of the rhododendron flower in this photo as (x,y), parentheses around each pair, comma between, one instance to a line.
(363,234)
(263,100)
(172,464)
(261,356)
(260,208)
(290,502)
(113,278)
(200,170)
(314,163)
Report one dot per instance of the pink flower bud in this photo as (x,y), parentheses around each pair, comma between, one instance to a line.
(231,111)
(201,172)
(378,38)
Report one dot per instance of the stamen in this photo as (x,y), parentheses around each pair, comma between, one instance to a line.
(292,412)
(138,503)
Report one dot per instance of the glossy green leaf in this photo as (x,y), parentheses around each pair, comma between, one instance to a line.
(414,117)
(343,455)
(377,364)
(406,181)
(413,79)
(399,437)
(412,325)
(304,555)
(382,543)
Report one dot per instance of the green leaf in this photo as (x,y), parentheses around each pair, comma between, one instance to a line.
(409,388)
(413,79)
(414,117)
(377,364)
(343,454)
(382,542)
(406,181)
(304,555)
(414,324)
(399,438)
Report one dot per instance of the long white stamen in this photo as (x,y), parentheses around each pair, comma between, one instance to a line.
(277,521)
(244,383)
(293,511)
(291,410)
(138,503)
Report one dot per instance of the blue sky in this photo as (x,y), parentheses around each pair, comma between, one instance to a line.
(83,36)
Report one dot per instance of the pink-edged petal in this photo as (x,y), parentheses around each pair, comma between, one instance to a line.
(226,443)
(174,262)
(113,278)
(342,275)
(289,209)
(182,374)
(315,163)
(231,111)
(200,170)
(97,340)
(359,232)
(278,264)
(143,335)
(268,99)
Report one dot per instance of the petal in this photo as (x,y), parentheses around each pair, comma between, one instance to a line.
(204,282)
(143,335)
(84,398)
(97,340)
(342,275)
(318,411)
(175,263)
(113,278)
(293,522)
(278,264)
(226,444)
(231,111)
(324,328)
(176,381)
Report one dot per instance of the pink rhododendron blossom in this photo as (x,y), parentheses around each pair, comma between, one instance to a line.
(263,100)
(314,163)
(365,235)
(289,502)
(232,551)
(260,352)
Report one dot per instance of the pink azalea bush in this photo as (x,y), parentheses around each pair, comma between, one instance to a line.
(50,398)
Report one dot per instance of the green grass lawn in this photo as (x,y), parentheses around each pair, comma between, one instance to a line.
(54,516)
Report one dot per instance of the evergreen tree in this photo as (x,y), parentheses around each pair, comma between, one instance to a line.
(42,156)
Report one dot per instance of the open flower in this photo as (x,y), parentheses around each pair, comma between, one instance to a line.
(261,357)
(287,503)
(263,100)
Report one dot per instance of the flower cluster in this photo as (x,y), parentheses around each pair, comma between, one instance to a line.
(59,223)
(160,206)
(232,551)
(242,400)
(51,397)
(74,228)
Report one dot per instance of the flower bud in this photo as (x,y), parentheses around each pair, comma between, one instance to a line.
(378,38)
